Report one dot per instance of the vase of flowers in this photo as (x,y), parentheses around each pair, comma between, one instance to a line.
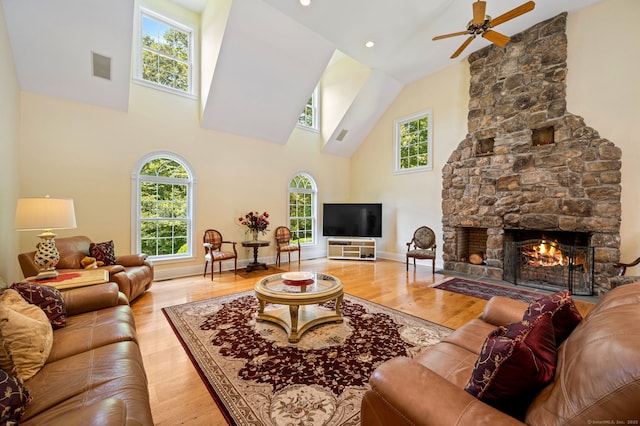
(255,223)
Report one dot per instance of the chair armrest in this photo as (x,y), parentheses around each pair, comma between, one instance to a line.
(623,266)
(91,298)
(501,310)
(406,392)
(113,269)
(131,259)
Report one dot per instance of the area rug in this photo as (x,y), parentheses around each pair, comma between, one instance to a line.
(258,378)
(486,290)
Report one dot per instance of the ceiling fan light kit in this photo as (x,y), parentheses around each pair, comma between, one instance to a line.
(482,24)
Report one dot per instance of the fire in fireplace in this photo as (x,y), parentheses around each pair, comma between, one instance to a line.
(553,261)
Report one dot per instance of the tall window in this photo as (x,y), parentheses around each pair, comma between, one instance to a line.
(166,52)
(302,208)
(413,142)
(164,207)
(309,116)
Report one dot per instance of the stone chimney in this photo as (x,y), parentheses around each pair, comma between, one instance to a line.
(526,162)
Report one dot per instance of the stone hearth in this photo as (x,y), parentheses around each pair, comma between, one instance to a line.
(526,162)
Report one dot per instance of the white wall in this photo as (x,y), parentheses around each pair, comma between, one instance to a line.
(9,105)
(602,87)
(412,199)
(93,152)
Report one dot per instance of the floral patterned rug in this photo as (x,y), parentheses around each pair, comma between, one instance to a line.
(486,290)
(258,378)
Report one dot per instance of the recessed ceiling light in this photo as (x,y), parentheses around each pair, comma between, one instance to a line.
(305,2)
(369,44)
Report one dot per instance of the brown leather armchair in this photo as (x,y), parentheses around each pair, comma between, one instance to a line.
(132,272)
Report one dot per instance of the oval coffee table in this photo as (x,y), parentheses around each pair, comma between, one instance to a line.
(297,316)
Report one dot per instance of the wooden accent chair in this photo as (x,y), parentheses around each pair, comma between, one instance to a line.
(283,244)
(424,247)
(212,241)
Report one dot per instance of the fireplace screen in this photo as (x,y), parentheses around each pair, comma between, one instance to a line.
(551,266)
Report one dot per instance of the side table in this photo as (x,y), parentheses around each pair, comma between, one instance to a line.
(255,244)
(74,279)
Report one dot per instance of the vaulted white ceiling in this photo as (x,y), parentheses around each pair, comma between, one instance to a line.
(261,58)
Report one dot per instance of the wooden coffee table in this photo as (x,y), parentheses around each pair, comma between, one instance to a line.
(300,311)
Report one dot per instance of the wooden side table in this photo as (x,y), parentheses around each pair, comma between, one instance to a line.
(74,279)
(256,244)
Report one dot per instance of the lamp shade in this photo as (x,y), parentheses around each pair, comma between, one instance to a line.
(44,214)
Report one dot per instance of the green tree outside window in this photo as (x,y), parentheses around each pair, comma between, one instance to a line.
(164,208)
(302,209)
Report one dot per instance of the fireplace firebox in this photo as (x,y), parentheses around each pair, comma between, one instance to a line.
(553,261)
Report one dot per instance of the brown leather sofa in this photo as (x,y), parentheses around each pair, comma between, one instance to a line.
(132,272)
(597,378)
(94,374)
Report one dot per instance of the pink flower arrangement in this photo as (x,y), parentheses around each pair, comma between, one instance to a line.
(255,222)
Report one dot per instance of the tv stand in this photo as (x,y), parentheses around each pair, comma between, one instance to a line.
(351,248)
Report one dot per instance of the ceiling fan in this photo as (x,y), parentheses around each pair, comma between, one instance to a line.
(482,25)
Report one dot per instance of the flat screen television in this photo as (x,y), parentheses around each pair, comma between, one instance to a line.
(352,220)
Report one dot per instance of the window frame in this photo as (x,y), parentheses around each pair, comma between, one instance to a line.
(192,65)
(315,119)
(137,179)
(397,169)
(313,191)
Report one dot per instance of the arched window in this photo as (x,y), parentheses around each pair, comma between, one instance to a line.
(302,208)
(163,207)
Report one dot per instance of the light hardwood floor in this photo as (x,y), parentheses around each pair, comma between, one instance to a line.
(178,396)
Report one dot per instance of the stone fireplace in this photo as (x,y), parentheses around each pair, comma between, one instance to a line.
(527,164)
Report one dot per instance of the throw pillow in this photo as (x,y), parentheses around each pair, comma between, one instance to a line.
(26,336)
(103,252)
(46,298)
(515,363)
(564,314)
(14,397)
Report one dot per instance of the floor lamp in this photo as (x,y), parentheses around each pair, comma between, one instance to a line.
(45,214)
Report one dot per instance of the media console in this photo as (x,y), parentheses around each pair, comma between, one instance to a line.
(351,248)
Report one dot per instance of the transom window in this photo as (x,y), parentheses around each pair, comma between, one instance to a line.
(166,52)
(164,206)
(413,143)
(302,208)
(309,116)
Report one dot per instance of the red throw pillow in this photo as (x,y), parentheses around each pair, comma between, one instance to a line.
(46,298)
(564,314)
(515,363)
(13,399)
(104,252)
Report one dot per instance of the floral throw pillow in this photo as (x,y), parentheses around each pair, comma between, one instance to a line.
(515,363)
(13,399)
(46,298)
(104,252)
(564,314)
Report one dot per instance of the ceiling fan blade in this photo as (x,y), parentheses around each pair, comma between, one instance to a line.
(461,48)
(479,9)
(496,38)
(520,10)
(451,35)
